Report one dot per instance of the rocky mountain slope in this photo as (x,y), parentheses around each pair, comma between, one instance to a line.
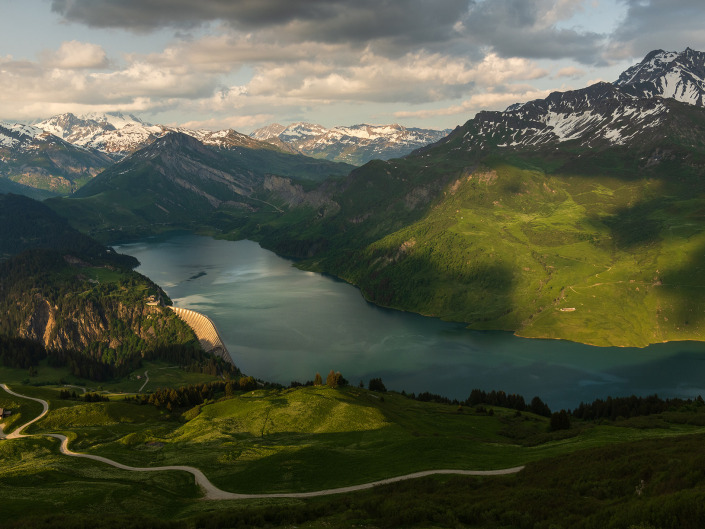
(355,145)
(34,158)
(628,111)
(119,135)
(115,134)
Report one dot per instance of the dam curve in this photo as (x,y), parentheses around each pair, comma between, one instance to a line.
(205,331)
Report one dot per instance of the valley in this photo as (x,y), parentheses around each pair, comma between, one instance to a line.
(553,250)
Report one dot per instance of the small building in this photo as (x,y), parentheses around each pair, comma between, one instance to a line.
(5,413)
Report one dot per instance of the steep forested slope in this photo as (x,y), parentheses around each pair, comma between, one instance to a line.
(65,295)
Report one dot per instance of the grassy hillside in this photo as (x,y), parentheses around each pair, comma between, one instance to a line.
(599,260)
(318,437)
(280,440)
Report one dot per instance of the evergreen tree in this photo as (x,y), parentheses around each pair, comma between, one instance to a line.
(376,384)
(560,421)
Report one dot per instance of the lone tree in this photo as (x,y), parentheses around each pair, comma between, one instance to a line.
(335,379)
(318,380)
(376,384)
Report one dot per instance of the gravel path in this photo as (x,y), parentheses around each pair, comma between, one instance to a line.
(146,376)
(211,492)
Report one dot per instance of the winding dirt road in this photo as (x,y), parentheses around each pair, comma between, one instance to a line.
(211,492)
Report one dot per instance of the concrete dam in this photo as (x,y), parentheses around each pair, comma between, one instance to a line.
(206,332)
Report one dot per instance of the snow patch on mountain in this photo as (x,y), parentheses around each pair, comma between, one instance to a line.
(13,135)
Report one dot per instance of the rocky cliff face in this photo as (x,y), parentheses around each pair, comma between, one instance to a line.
(95,323)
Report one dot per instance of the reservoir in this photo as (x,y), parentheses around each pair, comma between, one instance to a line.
(282,324)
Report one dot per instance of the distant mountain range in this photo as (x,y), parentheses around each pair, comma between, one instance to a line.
(60,154)
(355,145)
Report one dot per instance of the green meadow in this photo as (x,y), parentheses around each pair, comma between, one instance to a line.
(313,438)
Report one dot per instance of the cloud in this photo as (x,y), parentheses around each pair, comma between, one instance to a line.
(237,122)
(658,24)
(569,71)
(476,103)
(73,55)
(512,28)
(393,25)
(530,29)
(67,81)
(414,78)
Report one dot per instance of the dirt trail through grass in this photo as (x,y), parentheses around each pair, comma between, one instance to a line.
(211,492)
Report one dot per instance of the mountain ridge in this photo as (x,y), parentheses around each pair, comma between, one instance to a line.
(355,144)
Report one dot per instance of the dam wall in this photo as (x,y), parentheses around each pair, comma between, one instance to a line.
(206,332)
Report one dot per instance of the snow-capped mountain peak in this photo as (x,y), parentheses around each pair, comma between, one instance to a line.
(113,133)
(676,75)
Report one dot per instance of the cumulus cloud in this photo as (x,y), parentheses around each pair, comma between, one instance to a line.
(512,28)
(64,81)
(394,24)
(74,55)
(414,78)
(658,24)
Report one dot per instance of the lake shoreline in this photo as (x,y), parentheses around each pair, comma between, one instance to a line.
(282,324)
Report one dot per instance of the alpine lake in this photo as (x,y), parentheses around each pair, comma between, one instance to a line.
(282,324)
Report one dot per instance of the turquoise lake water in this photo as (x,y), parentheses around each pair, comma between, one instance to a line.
(283,324)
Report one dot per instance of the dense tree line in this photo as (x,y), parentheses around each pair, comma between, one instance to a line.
(20,353)
(626,407)
(507,400)
(65,394)
(195,394)
(183,397)
(376,384)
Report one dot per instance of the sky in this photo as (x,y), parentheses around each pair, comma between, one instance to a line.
(243,64)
